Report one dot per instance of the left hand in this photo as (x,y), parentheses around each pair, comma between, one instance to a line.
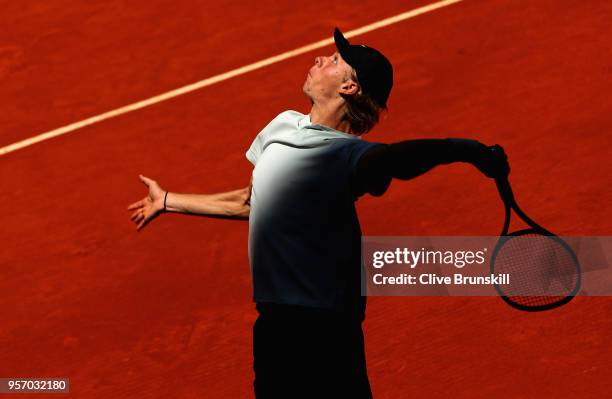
(150,206)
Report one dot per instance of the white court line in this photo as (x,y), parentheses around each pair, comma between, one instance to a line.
(221,77)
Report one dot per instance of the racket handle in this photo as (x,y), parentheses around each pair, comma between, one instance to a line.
(505,191)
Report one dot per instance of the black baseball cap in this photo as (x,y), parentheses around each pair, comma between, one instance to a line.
(374,71)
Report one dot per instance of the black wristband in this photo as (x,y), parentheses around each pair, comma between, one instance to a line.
(165,196)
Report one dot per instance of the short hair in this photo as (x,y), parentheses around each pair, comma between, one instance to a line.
(362,112)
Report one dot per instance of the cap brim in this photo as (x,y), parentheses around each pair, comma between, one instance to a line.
(342,45)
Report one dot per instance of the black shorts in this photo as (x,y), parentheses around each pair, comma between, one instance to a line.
(308,353)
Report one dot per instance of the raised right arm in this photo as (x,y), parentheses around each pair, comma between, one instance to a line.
(408,159)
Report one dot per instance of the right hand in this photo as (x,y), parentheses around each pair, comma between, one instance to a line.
(494,162)
(150,206)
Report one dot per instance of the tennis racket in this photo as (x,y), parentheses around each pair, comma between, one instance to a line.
(543,270)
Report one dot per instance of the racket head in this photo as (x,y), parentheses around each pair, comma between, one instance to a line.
(544,270)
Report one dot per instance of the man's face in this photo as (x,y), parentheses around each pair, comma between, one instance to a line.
(327,78)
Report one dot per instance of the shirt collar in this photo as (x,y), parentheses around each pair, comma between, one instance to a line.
(305,123)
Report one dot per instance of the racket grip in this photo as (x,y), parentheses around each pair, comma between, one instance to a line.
(504,189)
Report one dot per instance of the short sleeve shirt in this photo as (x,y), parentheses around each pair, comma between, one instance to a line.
(304,235)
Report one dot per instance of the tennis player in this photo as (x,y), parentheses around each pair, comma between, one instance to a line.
(304,235)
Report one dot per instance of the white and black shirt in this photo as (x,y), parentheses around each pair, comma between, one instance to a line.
(304,235)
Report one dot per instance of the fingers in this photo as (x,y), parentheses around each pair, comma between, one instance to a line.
(502,160)
(136,216)
(499,151)
(142,223)
(141,218)
(137,204)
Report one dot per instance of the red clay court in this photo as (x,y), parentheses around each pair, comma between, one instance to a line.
(167,312)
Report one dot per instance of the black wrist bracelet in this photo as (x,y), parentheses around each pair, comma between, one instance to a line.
(165,196)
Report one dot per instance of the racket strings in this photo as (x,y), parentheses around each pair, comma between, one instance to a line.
(541,269)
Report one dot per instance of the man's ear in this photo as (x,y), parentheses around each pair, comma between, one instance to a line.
(349,87)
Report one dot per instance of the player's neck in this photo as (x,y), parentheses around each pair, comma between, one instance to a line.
(331,115)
